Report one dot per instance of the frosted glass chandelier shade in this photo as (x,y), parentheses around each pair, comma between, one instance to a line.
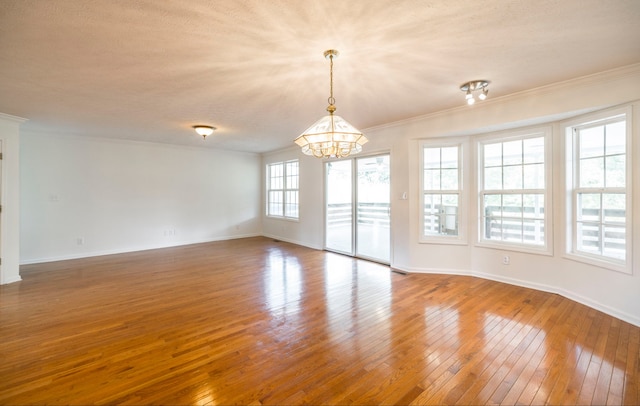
(330,136)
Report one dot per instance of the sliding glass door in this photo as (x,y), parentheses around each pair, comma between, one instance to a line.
(357,212)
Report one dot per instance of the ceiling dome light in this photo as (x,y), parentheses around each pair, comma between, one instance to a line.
(204,130)
(472,86)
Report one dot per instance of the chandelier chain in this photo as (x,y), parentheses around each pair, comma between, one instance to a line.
(331,100)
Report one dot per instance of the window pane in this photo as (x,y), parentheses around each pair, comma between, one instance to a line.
(450,157)
(450,200)
(614,242)
(512,205)
(589,207)
(512,229)
(275,176)
(512,153)
(493,228)
(450,213)
(533,205)
(292,175)
(493,178)
(275,203)
(432,203)
(615,174)
(492,205)
(291,204)
(492,155)
(449,179)
(613,205)
(592,172)
(533,231)
(432,208)
(592,142)
(431,225)
(431,158)
(589,237)
(513,177)
(534,176)
(616,138)
(432,179)
(533,150)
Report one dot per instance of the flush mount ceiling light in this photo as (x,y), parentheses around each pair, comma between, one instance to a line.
(332,135)
(204,130)
(475,85)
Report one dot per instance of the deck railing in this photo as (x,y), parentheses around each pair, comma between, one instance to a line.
(367,213)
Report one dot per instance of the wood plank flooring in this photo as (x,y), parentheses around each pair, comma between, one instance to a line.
(256,321)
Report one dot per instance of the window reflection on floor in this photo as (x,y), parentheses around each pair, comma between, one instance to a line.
(283,283)
(358,300)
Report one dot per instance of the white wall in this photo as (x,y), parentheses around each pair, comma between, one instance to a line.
(86,196)
(10,198)
(613,292)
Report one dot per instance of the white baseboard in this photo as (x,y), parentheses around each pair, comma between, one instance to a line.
(11,280)
(622,315)
(135,249)
(275,237)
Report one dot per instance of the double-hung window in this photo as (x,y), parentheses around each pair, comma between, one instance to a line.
(441,198)
(514,191)
(598,189)
(282,189)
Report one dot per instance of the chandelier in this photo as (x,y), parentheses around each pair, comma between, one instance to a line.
(332,135)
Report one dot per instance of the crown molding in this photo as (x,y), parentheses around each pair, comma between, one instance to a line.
(628,71)
(15,119)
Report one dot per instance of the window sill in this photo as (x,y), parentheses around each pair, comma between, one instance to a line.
(291,219)
(616,266)
(505,246)
(445,240)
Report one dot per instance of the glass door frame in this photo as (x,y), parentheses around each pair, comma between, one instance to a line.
(354,207)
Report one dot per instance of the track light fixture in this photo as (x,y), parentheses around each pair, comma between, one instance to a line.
(472,86)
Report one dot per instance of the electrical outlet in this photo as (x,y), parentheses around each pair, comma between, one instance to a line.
(80,240)
(506,260)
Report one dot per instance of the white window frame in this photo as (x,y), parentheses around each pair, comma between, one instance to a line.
(462,237)
(284,191)
(513,135)
(573,189)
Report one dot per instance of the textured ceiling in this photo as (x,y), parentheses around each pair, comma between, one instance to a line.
(149,70)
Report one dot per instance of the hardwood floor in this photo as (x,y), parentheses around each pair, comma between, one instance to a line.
(256,321)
